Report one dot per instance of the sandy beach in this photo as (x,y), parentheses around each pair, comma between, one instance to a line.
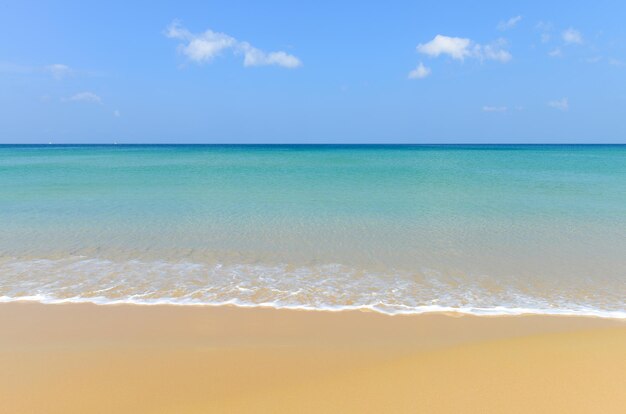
(79,358)
(312,207)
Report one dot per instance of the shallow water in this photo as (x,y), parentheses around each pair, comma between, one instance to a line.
(397,229)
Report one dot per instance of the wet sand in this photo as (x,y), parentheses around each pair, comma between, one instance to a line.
(81,358)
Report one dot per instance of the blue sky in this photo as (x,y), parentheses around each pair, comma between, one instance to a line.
(234,72)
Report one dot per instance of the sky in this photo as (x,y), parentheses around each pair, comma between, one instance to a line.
(312,72)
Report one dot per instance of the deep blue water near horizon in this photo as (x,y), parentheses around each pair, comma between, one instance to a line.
(322,146)
(485,229)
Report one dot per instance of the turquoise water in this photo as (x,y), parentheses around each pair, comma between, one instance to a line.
(396,229)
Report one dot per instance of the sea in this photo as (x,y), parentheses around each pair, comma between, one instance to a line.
(397,229)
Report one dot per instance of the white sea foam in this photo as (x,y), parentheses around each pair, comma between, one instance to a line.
(330,287)
(495,311)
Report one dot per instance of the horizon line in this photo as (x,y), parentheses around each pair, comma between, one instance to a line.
(308,143)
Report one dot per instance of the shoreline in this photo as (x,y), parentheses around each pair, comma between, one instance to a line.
(71,358)
(422,310)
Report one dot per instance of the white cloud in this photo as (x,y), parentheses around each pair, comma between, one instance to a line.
(543,26)
(204,47)
(555,53)
(116,113)
(572,36)
(256,57)
(420,72)
(509,24)
(615,62)
(456,47)
(8,67)
(88,97)
(560,104)
(494,108)
(545,29)
(493,51)
(200,48)
(460,48)
(58,70)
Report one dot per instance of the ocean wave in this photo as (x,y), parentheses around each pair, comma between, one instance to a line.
(329,287)
(383,308)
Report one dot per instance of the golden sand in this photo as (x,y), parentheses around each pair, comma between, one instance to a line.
(168,359)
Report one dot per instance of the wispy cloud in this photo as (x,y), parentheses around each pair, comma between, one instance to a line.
(509,24)
(560,104)
(545,29)
(493,51)
(58,70)
(116,113)
(460,48)
(9,67)
(206,46)
(487,108)
(572,36)
(420,72)
(556,52)
(88,97)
